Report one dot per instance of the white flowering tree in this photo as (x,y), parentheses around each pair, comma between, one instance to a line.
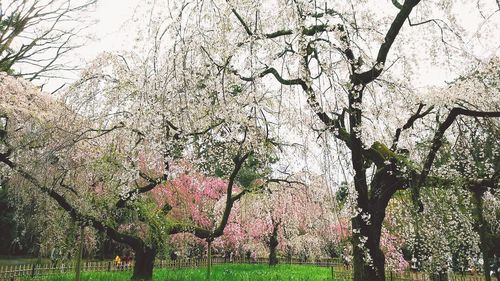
(451,233)
(475,169)
(353,64)
(117,136)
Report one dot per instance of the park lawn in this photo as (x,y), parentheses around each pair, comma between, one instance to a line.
(228,272)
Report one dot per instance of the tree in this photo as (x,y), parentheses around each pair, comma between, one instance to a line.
(35,35)
(279,221)
(86,160)
(452,232)
(327,54)
(476,169)
(198,201)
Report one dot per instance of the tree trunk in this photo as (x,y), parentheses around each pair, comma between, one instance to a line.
(79,257)
(273,245)
(369,260)
(144,263)
(209,259)
(371,267)
(482,228)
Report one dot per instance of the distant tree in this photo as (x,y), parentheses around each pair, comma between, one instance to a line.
(290,218)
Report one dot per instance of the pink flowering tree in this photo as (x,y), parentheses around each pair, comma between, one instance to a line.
(193,199)
(288,218)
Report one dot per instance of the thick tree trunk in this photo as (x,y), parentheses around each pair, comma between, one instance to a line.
(144,263)
(368,260)
(273,245)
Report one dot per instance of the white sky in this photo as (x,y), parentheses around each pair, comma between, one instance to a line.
(112,32)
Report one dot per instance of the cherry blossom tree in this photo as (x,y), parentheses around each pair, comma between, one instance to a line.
(352,66)
(193,199)
(97,154)
(452,232)
(289,218)
(475,169)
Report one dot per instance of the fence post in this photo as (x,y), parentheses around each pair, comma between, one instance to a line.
(33,270)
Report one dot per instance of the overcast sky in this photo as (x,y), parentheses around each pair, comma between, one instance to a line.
(112,32)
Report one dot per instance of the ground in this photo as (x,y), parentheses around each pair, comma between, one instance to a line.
(227,272)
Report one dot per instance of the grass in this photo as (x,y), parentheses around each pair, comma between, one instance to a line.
(228,272)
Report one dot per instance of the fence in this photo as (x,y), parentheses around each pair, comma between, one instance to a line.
(339,271)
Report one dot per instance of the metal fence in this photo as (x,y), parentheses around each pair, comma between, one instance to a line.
(339,272)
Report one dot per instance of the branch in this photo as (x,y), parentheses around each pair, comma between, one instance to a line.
(332,124)
(196,231)
(277,76)
(397,4)
(152,183)
(409,124)
(370,75)
(437,142)
(309,31)
(238,161)
(76,215)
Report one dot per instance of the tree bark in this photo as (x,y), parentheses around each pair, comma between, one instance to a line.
(144,263)
(482,229)
(369,267)
(209,259)
(273,245)
(80,254)
(368,258)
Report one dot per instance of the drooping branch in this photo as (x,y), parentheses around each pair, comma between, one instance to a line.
(437,142)
(332,124)
(75,214)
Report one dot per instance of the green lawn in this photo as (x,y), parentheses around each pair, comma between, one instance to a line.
(228,272)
